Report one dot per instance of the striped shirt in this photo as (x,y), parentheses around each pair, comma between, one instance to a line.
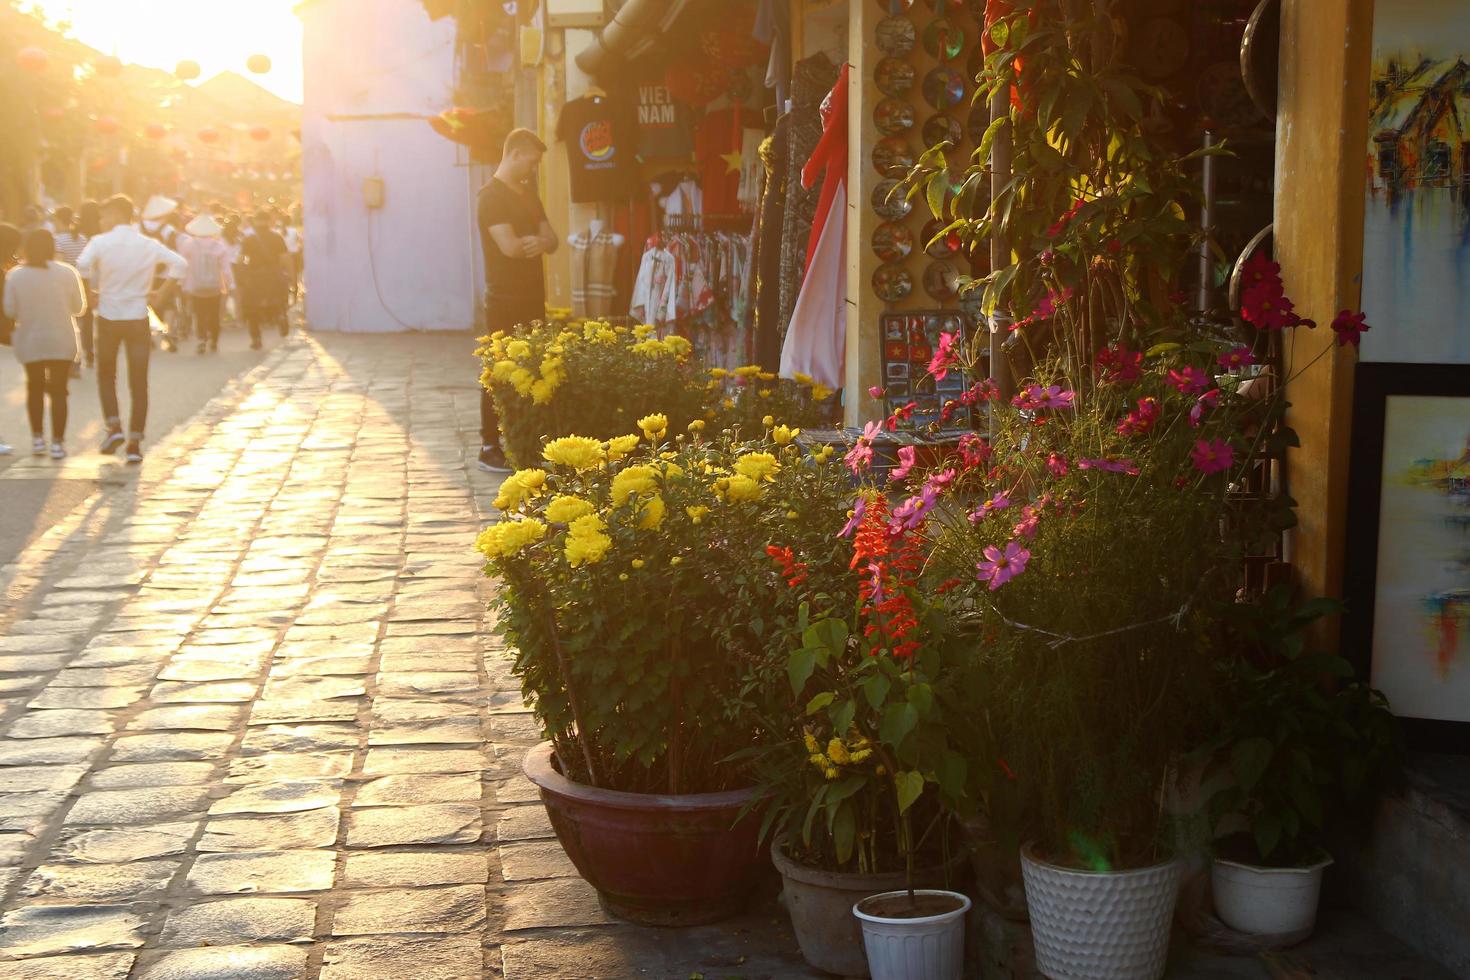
(69,245)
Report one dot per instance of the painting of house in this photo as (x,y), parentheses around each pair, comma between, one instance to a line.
(1420,125)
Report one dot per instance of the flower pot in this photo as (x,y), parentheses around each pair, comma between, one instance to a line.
(1090,925)
(1280,903)
(903,944)
(654,859)
(821,907)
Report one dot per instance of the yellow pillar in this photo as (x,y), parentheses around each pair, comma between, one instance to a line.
(1321,154)
(864,347)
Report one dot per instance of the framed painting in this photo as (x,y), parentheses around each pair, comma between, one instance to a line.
(1407,579)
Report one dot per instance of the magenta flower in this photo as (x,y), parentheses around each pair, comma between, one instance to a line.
(1213,456)
(1141,419)
(906,457)
(1124,466)
(1236,358)
(1266,306)
(974,451)
(997,503)
(1259,269)
(875,579)
(1210,399)
(875,392)
(938,482)
(911,513)
(1048,306)
(860,456)
(1000,566)
(1030,519)
(1056,464)
(1118,364)
(1190,381)
(944,356)
(1036,397)
(859,508)
(1350,327)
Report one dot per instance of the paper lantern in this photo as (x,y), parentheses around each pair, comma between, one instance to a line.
(187,71)
(105,125)
(109,66)
(32,59)
(97,164)
(155,131)
(260,134)
(209,135)
(258,63)
(180,154)
(53,113)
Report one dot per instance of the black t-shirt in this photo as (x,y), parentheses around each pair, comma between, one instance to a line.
(263,249)
(511,279)
(664,129)
(600,137)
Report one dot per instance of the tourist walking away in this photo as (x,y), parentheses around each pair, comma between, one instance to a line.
(44,297)
(208,280)
(120,264)
(69,244)
(514,235)
(88,227)
(295,249)
(263,288)
(10,239)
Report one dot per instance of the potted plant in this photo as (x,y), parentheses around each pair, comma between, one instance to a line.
(861,789)
(1303,747)
(613,558)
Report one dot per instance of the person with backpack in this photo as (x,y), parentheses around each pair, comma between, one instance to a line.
(209,278)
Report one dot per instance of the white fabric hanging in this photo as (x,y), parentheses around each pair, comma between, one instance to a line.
(816,341)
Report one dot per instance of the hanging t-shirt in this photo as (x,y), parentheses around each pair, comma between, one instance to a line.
(600,136)
(719,148)
(664,130)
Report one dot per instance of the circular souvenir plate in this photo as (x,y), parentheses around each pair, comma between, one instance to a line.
(941,128)
(944,40)
(945,246)
(892,242)
(892,156)
(896,36)
(894,208)
(942,281)
(944,88)
(895,6)
(892,283)
(894,77)
(893,117)
(943,7)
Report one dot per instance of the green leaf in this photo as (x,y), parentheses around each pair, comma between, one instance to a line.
(844,833)
(1000,32)
(910,786)
(898,721)
(988,140)
(845,787)
(934,194)
(819,702)
(952,773)
(799,668)
(1249,759)
(876,688)
(921,696)
(1267,831)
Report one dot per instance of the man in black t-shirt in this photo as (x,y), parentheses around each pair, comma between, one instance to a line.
(514,235)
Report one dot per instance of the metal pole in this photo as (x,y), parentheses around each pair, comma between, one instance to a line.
(1000,246)
(1204,299)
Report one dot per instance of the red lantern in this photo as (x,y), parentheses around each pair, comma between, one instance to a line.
(53,113)
(260,134)
(258,63)
(97,164)
(187,71)
(180,154)
(105,125)
(32,59)
(109,66)
(155,131)
(209,135)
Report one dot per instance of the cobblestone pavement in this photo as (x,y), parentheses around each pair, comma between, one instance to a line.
(252,723)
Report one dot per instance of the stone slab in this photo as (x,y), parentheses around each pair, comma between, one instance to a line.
(459,908)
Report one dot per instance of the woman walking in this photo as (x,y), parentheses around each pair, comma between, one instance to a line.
(10,239)
(209,278)
(44,297)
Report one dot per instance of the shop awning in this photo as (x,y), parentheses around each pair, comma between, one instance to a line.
(634,30)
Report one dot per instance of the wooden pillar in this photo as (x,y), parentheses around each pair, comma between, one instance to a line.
(1321,154)
(864,346)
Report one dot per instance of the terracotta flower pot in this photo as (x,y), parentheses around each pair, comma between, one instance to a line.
(654,860)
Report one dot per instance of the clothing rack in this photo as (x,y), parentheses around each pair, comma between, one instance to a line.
(693,223)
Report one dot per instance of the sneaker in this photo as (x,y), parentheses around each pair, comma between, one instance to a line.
(58,451)
(5,449)
(255,344)
(492,460)
(203,348)
(76,369)
(135,454)
(112,443)
(38,446)
(214,346)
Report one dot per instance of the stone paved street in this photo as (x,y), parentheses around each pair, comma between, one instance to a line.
(252,723)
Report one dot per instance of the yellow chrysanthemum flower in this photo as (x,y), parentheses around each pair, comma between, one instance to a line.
(812,746)
(502,370)
(522,380)
(748,371)
(619,447)
(507,538)
(718,373)
(821,392)
(742,487)
(757,466)
(678,346)
(518,350)
(803,379)
(586,541)
(638,563)
(541,391)
(784,435)
(633,481)
(578,452)
(697,425)
(654,426)
(837,752)
(519,487)
(650,348)
(564,509)
(697,513)
(769,421)
(644,330)
(652,514)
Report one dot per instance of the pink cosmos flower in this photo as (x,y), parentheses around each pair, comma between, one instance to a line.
(997,503)
(1190,381)
(1125,466)
(860,456)
(1236,358)
(911,513)
(1350,327)
(1213,456)
(1266,306)
(1048,306)
(1036,397)
(939,482)
(859,508)
(1258,269)
(1141,420)
(1056,464)
(1118,364)
(1210,399)
(1030,519)
(974,451)
(944,356)
(875,392)
(1000,566)
(906,458)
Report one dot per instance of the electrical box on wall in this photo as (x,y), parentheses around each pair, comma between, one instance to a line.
(373,193)
(574,13)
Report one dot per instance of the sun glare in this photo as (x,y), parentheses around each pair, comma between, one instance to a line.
(219,34)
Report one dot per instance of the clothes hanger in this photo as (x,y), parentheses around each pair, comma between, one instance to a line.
(596,93)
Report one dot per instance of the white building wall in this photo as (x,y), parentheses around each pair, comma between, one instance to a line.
(375,69)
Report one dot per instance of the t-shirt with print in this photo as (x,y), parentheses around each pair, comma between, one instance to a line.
(719,147)
(664,130)
(601,138)
(507,279)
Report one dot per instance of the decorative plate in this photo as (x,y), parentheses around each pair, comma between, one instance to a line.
(944,247)
(892,283)
(944,88)
(896,36)
(894,77)
(1161,48)
(892,242)
(944,40)
(892,156)
(893,117)
(895,6)
(940,128)
(978,123)
(942,281)
(894,208)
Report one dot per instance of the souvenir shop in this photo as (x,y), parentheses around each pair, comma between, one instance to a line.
(734,170)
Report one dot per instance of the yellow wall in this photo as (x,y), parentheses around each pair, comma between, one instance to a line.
(1322,135)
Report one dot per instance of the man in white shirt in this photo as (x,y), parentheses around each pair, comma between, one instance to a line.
(120,264)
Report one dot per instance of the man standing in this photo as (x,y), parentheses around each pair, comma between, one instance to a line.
(119,263)
(264,285)
(514,235)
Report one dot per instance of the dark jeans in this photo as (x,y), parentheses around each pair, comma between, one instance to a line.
(47,379)
(132,334)
(206,317)
(87,330)
(503,314)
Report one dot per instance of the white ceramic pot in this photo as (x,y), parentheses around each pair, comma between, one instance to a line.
(931,947)
(1275,902)
(1091,925)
